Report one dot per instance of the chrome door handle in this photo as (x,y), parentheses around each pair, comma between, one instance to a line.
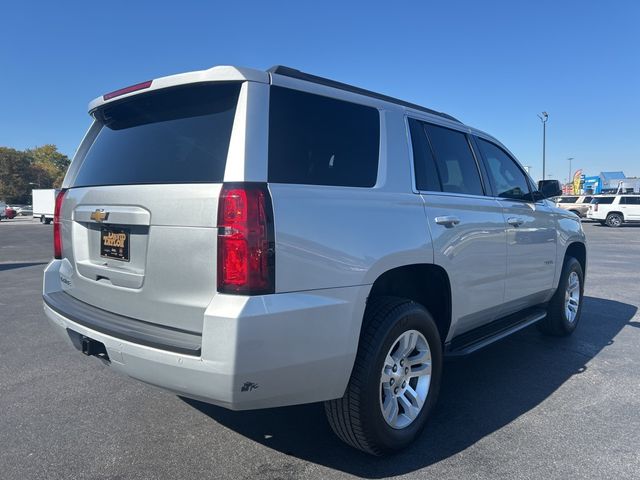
(515,221)
(448,221)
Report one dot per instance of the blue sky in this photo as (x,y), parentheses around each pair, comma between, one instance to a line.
(494,65)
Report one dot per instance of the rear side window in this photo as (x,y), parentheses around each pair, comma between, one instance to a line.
(587,199)
(603,200)
(454,160)
(509,181)
(630,200)
(316,140)
(567,199)
(176,135)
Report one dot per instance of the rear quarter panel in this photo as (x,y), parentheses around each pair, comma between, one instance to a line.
(329,237)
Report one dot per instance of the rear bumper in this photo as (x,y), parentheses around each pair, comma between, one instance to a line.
(125,328)
(256,352)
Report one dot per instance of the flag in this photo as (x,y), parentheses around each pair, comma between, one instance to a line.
(576,181)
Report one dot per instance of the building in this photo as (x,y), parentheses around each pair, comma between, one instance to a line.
(592,184)
(608,182)
(629,185)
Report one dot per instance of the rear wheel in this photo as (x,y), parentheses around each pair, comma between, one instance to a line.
(614,220)
(563,312)
(395,379)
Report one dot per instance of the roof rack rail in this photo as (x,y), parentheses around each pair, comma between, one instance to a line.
(293,73)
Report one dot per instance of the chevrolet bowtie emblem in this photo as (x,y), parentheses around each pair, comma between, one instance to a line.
(99,215)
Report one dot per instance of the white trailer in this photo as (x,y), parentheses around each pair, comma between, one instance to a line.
(44,203)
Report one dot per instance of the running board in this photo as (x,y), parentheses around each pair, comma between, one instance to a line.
(480,337)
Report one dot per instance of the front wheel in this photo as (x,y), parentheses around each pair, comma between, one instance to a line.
(395,379)
(563,312)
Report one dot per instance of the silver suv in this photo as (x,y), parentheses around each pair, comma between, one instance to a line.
(255,239)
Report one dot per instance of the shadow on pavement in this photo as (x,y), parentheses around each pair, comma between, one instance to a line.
(13,266)
(479,395)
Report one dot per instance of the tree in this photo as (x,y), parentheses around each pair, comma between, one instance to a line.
(15,169)
(49,155)
(21,171)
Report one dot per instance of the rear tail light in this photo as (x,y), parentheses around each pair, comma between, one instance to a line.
(246,253)
(595,207)
(57,236)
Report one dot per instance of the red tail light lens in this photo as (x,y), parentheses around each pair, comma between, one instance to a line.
(595,207)
(246,253)
(132,88)
(57,236)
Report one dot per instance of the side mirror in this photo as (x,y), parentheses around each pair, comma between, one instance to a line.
(549,188)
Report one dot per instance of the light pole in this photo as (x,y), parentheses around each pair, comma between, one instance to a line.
(543,118)
(570,180)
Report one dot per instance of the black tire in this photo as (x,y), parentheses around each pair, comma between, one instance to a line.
(356,418)
(614,220)
(556,322)
(47,221)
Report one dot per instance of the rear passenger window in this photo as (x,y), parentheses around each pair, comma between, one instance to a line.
(630,200)
(509,181)
(423,161)
(603,200)
(318,140)
(455,162)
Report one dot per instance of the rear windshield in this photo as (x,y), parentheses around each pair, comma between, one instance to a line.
(177,135)
(567,199)
(603,200)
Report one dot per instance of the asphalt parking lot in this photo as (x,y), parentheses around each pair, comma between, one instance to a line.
(529,407)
